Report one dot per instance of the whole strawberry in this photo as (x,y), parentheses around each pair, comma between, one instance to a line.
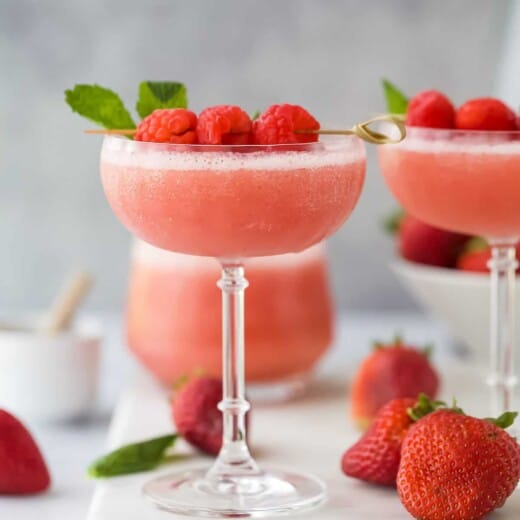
(22,468)
(456,467)
(389,372)
(375,456)
(196,416)
(419,242)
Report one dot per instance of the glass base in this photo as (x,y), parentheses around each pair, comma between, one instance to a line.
(266,494)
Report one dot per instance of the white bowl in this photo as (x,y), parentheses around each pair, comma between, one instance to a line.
(459,299)
(48,378)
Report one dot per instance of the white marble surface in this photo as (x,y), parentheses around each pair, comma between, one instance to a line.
(307,435)
(70,448)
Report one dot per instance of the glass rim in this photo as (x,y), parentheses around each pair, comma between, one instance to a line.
(458,131)
(178,147)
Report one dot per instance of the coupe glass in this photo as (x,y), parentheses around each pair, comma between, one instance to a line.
(232,203)
(469,182)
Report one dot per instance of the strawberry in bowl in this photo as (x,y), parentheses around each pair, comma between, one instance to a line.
(456,176)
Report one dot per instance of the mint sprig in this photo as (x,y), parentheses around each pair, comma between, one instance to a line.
(132,458)
(101,105)
(396,101)
(160,94)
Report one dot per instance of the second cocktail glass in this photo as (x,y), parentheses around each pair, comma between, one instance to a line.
(469,182)
(232,203)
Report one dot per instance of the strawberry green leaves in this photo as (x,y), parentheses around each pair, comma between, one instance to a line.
(396,101)
(160,94)
(133,458)
(99,104)
(392,223)
(423,407)
(504,421)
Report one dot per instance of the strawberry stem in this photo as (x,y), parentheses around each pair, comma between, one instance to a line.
(423,407)
(398,339)
(427,350)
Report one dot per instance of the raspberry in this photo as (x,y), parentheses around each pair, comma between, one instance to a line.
(430,109)
(224,124)
(168,125)
(281,124)
(485,114)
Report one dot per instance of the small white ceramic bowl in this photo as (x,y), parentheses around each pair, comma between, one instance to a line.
(459,299)
(48,378)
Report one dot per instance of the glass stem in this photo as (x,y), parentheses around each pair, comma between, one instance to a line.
(234,457)
(502,378)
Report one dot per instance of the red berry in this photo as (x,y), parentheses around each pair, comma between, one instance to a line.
(22,468)
(196,415)
(390,372)
(431,109)
(419,242)
(485,114)
(375,456)
(476,256)
(168,125)
(224,124)
(456,467)
(285,124)
(475,261)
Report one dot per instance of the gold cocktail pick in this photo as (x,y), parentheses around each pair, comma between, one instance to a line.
(361,130)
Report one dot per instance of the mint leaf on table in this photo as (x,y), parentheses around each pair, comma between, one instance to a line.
(160,94)
(132,458)
(396,101)
(101,105)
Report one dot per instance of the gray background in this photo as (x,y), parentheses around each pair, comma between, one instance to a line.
(327,55)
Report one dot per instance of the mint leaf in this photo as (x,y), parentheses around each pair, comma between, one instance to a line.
(160,94)
(99,104)
(396,101)
(132,458)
